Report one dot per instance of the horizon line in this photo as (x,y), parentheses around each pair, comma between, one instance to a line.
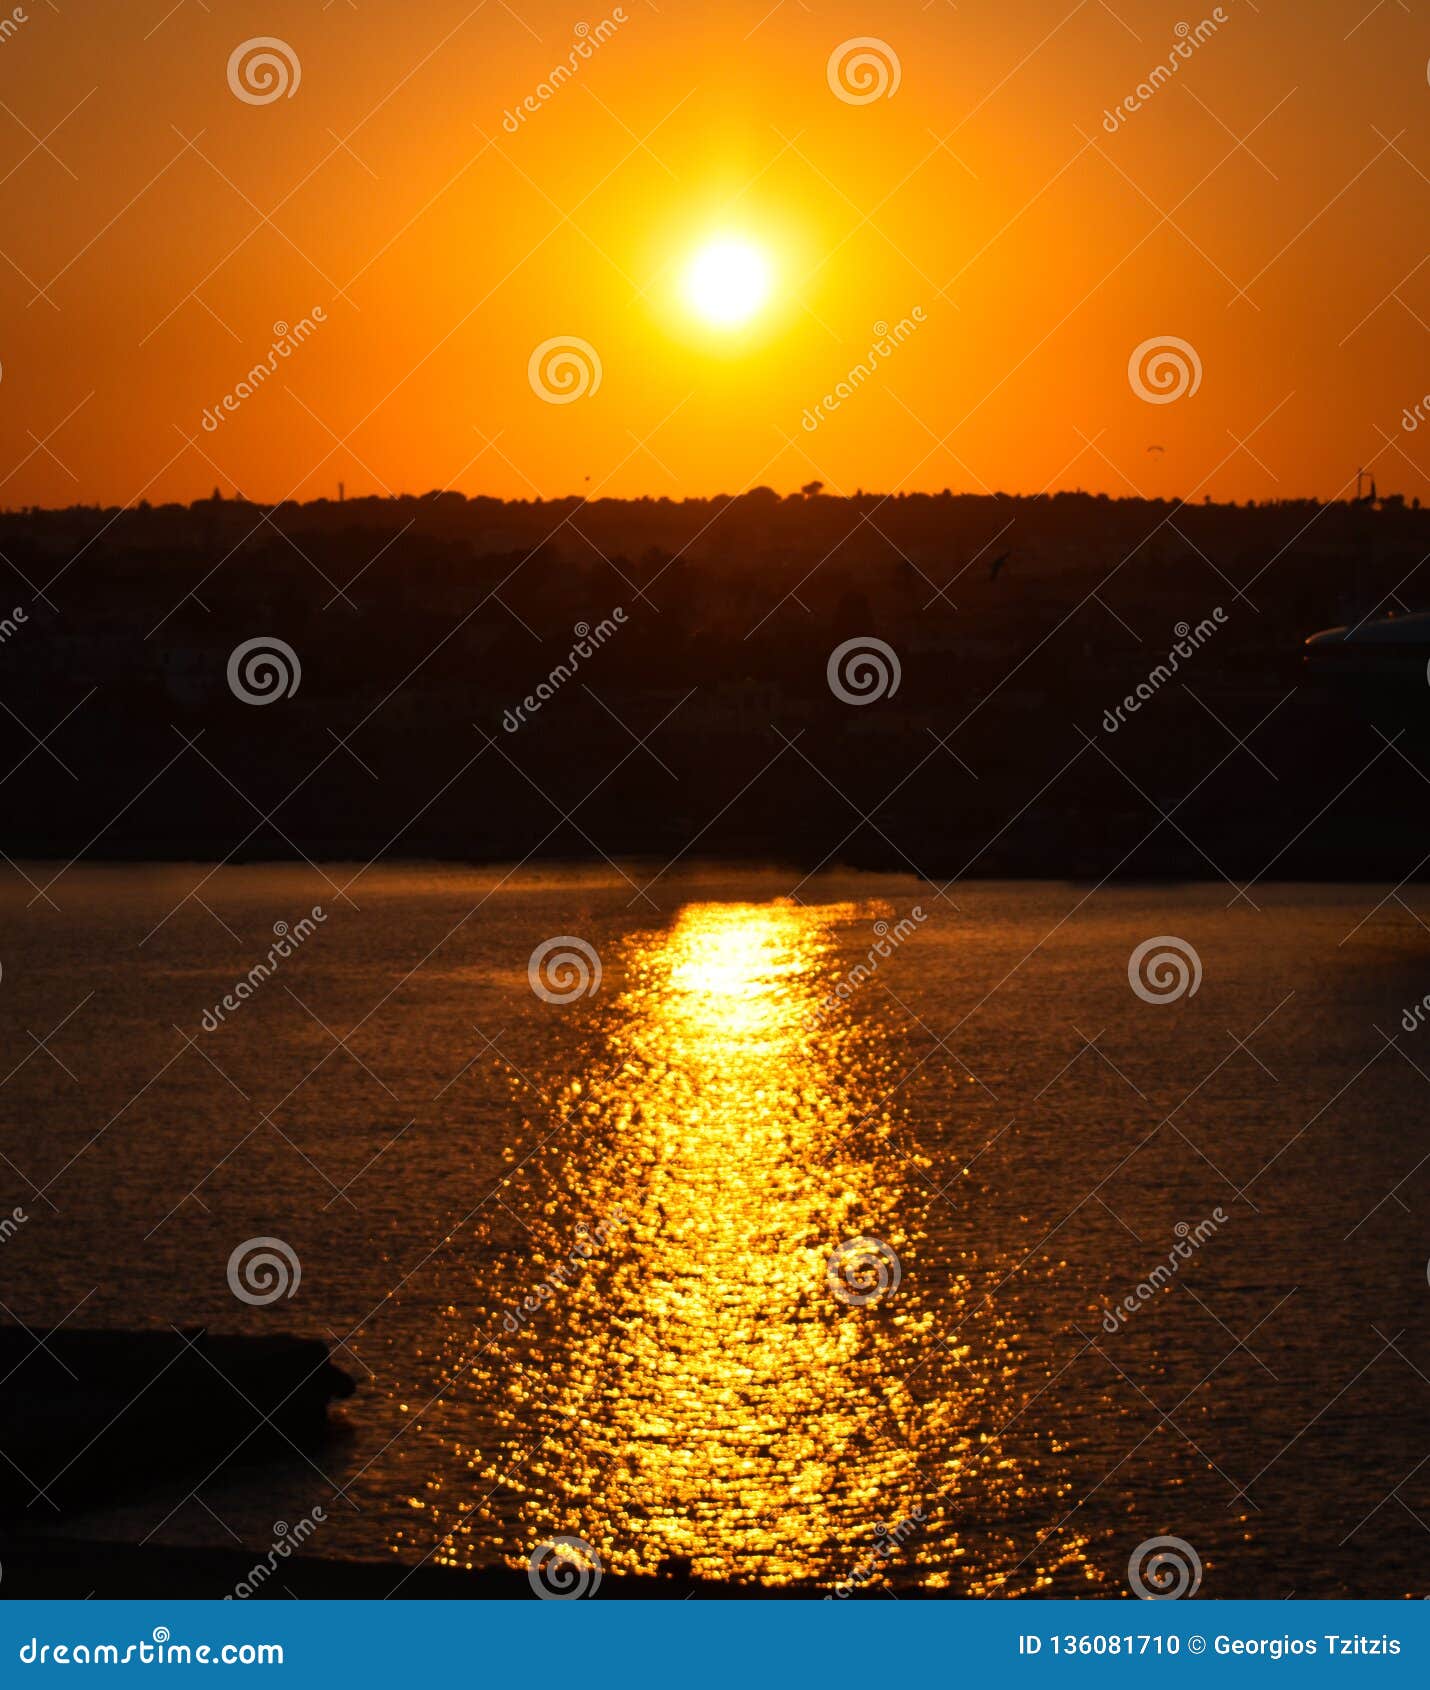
(799,495)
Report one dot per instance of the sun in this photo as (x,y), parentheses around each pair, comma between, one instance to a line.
(727,281)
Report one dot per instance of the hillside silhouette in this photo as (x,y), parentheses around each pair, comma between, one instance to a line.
(423,624)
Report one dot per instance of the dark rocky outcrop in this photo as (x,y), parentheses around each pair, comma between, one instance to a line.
(94,1413)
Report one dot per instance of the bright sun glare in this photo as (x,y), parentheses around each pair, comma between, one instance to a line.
(727,282)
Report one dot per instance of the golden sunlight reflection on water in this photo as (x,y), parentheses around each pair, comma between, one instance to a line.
(677,1383)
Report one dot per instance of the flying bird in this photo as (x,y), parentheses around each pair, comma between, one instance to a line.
(1156,448)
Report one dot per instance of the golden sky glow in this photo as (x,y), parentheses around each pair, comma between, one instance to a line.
(449,208)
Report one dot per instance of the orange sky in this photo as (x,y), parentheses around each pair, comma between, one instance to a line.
(140,282)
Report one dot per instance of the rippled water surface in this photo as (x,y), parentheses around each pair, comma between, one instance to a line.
(578,1253)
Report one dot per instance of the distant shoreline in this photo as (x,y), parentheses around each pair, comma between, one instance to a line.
(340,855)
(967,687)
